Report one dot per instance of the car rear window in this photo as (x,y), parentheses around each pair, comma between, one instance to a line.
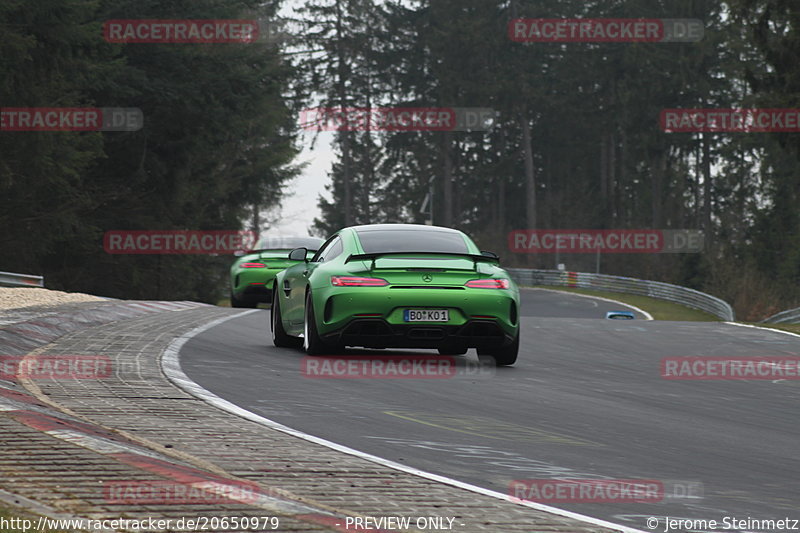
(288,243)
(276,254)
(419,240)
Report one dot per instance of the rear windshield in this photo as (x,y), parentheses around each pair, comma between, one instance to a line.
(277,254)
(288,243)
(379,241)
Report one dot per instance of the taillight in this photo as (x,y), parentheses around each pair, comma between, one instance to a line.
(490,283)
(356,281)
(253,265)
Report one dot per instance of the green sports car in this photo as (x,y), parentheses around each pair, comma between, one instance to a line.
(397,285)
(253,273)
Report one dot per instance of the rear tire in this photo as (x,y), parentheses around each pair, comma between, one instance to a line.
(504,355)
(243,302)
(312,343)
(280,338)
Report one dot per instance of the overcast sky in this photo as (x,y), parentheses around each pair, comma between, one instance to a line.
(299,208)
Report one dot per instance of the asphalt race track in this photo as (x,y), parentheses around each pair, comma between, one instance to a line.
(585,400)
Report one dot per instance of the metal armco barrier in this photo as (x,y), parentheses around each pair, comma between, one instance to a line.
(602,282)
(10,279)
(790,316)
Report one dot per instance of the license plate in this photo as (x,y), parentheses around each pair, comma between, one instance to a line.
(426,315)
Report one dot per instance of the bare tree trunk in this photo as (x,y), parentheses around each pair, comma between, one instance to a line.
(603,171)
(658,167)
(369,176)
(608,178)
(611,206)
(623,177)
(698,191)
(346,164)
(530,172)
(706,184)
(502,222)
(447,185)
(256,224)
(551,199)
(346,173)
(530,177)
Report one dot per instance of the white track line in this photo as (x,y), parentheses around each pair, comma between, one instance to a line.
(647,316)
(762,327)
(170,364)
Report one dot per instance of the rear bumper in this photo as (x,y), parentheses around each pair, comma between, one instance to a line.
(255,284)
(338,309)
(256,293)
(378,333)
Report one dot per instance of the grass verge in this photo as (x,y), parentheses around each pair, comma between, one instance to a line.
(659,309)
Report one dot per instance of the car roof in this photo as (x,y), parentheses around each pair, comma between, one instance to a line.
(390,227)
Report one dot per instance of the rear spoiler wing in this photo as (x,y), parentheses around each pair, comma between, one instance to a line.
(475,257)
(259,250)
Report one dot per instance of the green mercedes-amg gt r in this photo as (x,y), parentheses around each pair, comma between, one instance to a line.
(397,285)
(253,273)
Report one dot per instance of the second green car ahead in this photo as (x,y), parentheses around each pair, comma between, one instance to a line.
(253,273)
(397,285)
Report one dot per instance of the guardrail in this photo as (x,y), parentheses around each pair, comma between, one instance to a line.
(602,282)
(790,316)
(10,279)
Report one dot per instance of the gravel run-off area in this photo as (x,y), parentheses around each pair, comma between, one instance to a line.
(16,297)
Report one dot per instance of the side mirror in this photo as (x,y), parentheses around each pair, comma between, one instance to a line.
(490,254)
(298,254)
